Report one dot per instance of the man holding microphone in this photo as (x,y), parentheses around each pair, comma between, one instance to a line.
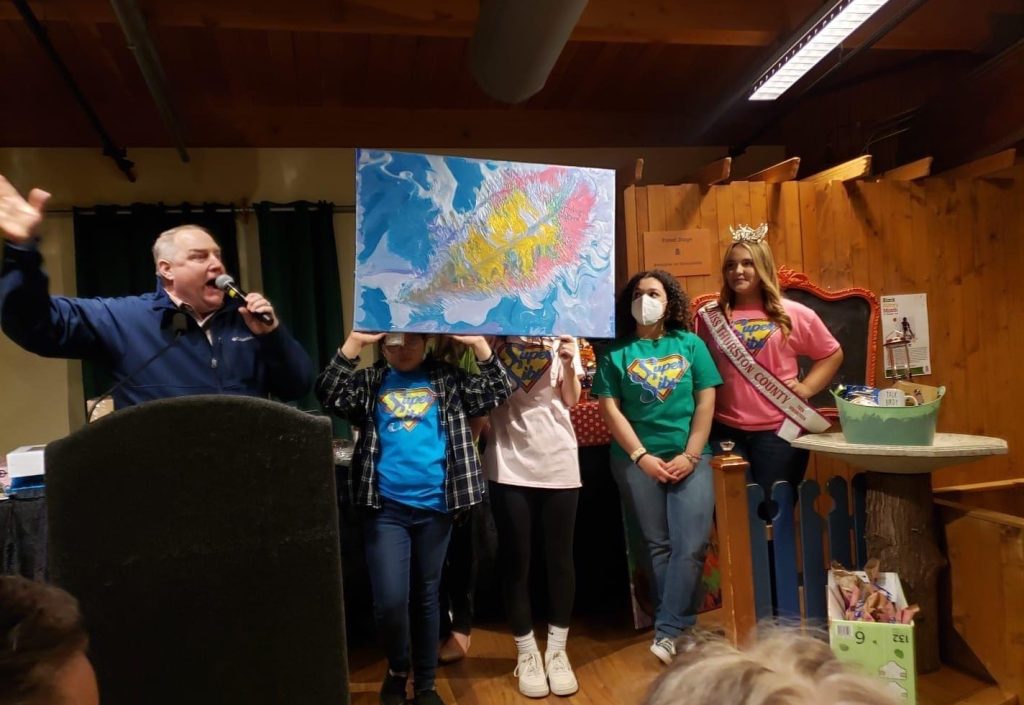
(183,339)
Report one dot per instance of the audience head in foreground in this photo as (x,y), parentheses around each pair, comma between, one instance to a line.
(782,668)
(42,647)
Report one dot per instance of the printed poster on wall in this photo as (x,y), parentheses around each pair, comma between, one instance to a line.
(906,316)
(681,253)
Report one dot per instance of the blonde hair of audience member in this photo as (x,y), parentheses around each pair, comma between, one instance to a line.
(771,292)
(782,668)
(42,646)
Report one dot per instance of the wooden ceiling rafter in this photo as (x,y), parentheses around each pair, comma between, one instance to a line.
(630,174)
(911,171)
(987,166)
(852,170)
(785,170)
(710,174)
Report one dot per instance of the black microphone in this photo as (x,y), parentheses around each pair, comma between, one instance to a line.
(179,324)
(226,283)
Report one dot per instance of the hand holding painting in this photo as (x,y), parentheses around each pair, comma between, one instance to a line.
(566,349)
(479,343)
(356,341)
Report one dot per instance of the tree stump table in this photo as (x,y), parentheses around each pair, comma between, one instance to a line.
(901,530)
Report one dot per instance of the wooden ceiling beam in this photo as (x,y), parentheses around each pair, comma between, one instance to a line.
(720,23)
(630,174)
(986,166)
(909,172)
(847,171)
(710,174)
(777,173)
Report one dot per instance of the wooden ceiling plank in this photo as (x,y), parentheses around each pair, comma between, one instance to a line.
(852,170)
(986,166)
(630,174)
(710,174)
(956,25)
(776,173)
(911,171)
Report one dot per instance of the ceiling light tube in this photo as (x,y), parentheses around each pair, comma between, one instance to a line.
(815,44)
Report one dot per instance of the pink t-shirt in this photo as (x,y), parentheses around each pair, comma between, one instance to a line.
(737,403)
(532,442)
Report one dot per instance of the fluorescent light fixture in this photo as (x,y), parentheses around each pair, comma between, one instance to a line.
(814,45)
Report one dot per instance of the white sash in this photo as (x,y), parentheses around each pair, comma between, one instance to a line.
(799,414)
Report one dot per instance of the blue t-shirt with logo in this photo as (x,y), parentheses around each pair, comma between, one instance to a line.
(411,469)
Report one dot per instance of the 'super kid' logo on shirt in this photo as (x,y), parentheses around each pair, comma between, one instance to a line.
(525,363)
(409,406)
(658,375)
(754,333)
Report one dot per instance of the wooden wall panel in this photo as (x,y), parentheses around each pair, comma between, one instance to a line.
(958,241)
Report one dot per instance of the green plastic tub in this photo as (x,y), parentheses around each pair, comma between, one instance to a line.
(889,426)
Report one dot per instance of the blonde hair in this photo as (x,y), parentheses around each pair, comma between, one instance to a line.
(783,668)
(771,293)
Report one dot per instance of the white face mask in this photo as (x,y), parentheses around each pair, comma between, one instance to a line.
(647,310)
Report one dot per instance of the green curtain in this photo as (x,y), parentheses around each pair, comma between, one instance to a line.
(300,278)
(114,256)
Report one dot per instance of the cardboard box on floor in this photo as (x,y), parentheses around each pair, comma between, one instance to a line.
(882,651)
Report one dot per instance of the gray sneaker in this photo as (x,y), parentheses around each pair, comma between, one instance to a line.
(664,648)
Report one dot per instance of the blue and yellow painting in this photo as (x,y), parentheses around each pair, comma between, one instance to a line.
(448,244)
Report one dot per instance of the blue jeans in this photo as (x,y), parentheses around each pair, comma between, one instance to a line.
(675,520)
(772,459)
(404,542)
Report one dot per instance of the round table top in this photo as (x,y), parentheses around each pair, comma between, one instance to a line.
(947,449)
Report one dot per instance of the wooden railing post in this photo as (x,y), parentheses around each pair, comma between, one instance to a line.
(734,546)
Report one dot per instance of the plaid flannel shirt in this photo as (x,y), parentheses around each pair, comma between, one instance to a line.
(352,395)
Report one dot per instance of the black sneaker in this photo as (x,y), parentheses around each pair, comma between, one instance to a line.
(427,697)
(392,690)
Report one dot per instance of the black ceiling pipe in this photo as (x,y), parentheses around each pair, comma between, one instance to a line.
(110,149)
(135,31)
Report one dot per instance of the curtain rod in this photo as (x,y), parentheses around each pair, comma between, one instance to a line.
(240,209)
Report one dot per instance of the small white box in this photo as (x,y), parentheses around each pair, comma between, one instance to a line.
(26,461)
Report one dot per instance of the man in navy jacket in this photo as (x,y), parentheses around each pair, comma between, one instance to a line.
(225,347)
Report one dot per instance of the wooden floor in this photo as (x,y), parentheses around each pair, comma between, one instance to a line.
(948,686)
(613,666)
(612,662)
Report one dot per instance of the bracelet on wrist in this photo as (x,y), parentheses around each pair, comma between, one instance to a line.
(693,458)
(637,454)
(637,461)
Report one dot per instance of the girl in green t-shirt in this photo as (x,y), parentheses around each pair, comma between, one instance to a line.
(656,388)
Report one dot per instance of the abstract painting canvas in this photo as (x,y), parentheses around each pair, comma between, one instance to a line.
(455,245)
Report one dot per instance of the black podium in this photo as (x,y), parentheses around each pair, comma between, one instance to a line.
(200,536)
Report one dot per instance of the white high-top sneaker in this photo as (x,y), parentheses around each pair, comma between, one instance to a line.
(560,676)
(530,670)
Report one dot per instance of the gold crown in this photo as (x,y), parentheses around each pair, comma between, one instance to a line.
(745,233)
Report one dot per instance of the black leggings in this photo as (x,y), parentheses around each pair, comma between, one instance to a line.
(516,511)
(458,578)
